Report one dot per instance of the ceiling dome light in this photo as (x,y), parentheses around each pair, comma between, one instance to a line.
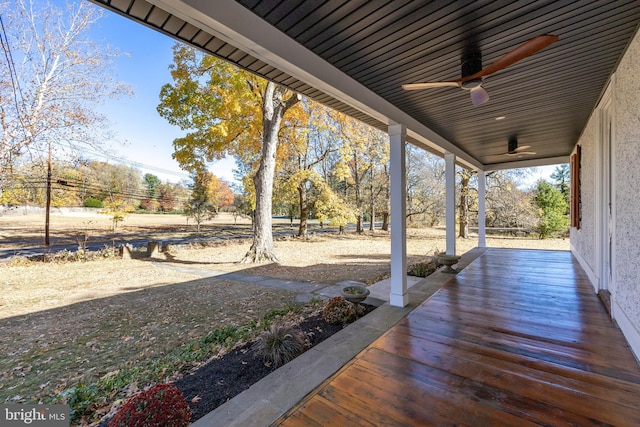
(479,96)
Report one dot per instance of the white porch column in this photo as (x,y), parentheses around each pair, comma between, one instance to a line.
(482,214)
(398,183)
(450,187)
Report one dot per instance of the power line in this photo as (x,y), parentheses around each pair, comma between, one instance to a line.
(83,185)
(125,161)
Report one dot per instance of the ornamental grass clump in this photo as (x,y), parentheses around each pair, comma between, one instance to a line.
(281,343)
(339,310)
(163,405)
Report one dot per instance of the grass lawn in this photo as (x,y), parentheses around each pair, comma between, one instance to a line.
(68,326)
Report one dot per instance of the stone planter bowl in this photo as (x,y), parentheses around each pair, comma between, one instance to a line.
(355,293)
(448,261)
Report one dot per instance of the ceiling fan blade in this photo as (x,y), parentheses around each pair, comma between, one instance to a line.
(526,49)
(520,153)
(418,86)
(479,95)
(524,147)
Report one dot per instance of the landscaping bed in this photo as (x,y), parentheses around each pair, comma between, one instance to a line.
(221,379)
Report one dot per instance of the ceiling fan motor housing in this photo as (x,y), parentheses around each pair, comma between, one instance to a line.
(471,64)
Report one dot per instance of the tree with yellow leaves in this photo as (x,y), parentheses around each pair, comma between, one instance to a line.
(364,149)
(227,111)
(309,144)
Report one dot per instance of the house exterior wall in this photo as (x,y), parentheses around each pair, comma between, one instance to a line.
(626,103)
(625,176)
(585,238)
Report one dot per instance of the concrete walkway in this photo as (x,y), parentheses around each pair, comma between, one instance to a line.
(305,290)
(270,398)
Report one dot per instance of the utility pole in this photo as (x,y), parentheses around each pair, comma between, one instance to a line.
(48,208)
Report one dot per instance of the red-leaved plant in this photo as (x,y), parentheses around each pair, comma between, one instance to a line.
(163,405)
(339,310)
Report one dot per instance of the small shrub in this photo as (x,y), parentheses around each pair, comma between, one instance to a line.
(79,399)
(281,343)
(276,314)
(108,252)
(339,310)
(92,203)
(19,261)
(425,268)
(162,405)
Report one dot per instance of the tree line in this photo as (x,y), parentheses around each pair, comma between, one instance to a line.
(324,164)
(293,155)
(117,189)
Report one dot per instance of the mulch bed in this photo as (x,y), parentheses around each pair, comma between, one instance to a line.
(221,379)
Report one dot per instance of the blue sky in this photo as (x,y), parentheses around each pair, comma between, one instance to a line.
(140,134)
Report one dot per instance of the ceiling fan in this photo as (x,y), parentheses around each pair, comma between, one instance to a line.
(473,73)
(514,150)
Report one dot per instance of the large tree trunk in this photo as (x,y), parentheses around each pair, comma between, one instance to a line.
(304,209)
(372,222)
(387,197)
(372,219)
(385,221)
(357,186)
(273,108)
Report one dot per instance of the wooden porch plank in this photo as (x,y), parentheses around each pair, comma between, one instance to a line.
(567,390)
(544,325)
(554,308)
(475,400)
(410,398)
(546,329)
(325,412)
(425,327)
(517,338)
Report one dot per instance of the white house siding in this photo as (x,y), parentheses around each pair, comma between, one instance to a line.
(625,289)
(626,101)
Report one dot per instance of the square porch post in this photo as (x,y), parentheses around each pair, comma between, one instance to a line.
(482,214)
(450,187)
(398,184)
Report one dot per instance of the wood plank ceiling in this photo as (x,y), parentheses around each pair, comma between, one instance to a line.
(546,99)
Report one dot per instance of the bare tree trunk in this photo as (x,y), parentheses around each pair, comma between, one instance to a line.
(372,219)
(464,206)
(359,203)
(304,209)
(273,108)
(385,221)
(387,197)
(372,226)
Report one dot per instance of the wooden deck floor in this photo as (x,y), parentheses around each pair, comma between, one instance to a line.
(517,338)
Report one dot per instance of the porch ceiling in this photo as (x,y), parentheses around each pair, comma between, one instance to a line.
(373,47)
